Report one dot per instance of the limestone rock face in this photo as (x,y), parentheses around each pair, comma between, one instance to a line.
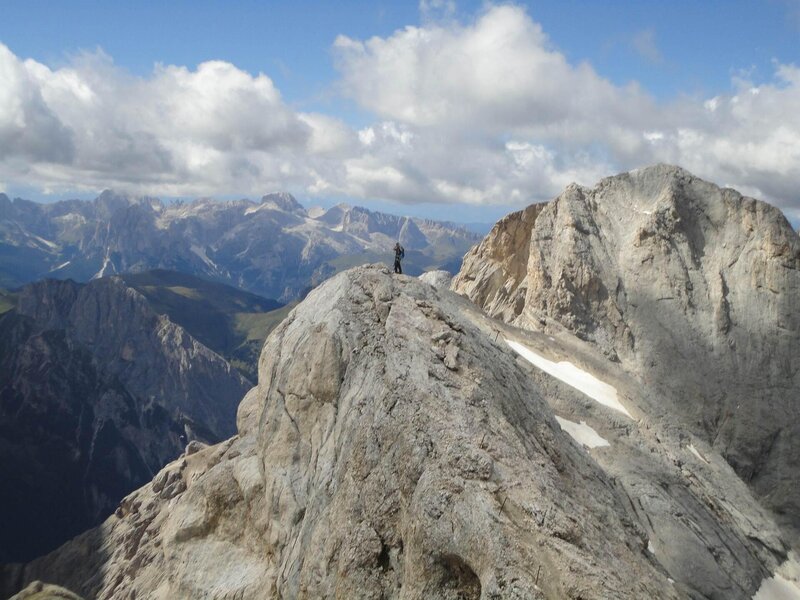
(391,449)
(494,272)
(440,279)
(397,447)
(98,392)
(692,288)
(44,591)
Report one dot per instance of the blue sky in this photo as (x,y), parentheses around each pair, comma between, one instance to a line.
(679,56)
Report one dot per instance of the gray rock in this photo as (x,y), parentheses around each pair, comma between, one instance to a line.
(366,468)
(44,591)
(692,288)
(98,393)
(439,278)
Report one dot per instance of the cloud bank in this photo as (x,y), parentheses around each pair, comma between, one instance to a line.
(485,112)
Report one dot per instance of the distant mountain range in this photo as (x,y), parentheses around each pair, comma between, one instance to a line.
(274,248)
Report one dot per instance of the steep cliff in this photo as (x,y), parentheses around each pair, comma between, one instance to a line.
(693,288)
(98,393)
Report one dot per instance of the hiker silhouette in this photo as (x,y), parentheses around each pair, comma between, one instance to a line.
(399,254)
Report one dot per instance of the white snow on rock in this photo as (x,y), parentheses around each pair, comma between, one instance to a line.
(571,375)
(201,254)
(59,267)
(48,243)
(582,433)
(694,451)
(783,585)
(106,269)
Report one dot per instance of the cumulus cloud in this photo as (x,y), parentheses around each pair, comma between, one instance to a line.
(494,74)
(179,131)
(481,112)
(496,112)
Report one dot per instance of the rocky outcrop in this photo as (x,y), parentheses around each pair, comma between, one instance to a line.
(377,457)
(692,288)
(396,447)
(272,247)
(44,591)
(493,274)
(98,393)
(440,279)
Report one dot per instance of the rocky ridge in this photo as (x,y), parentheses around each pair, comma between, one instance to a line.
(691,288)
(397,447)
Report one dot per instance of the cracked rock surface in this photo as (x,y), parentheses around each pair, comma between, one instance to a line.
(392,449)
(694,290)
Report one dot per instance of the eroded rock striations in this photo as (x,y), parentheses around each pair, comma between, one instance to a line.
(391,449)
(98,393)
(692,288)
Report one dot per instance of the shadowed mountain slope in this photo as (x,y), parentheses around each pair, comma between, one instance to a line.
(692,288)
(98,392)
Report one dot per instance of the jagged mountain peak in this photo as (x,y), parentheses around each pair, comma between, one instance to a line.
(666,273)
(113,200)
(273,248)
(283,201)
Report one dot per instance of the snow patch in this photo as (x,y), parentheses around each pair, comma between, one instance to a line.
(694,451)
(47,243)
(254,209)
(650,548)
(59,267)
(104,270)
(201,253)
(582,381)
(783,585)
(582,433)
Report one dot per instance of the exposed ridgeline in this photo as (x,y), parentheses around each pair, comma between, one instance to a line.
(396,448)
(274,247)
(98,393)
(693,288)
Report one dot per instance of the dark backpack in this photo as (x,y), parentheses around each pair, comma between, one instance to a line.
(402,252)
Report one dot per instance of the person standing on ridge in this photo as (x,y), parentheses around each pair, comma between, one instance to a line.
(399,254)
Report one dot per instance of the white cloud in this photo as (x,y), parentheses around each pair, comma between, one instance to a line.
(482,112)
(209,130)
(492,75)
(475,86)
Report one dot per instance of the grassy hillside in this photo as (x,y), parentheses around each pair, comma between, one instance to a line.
(228,320)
